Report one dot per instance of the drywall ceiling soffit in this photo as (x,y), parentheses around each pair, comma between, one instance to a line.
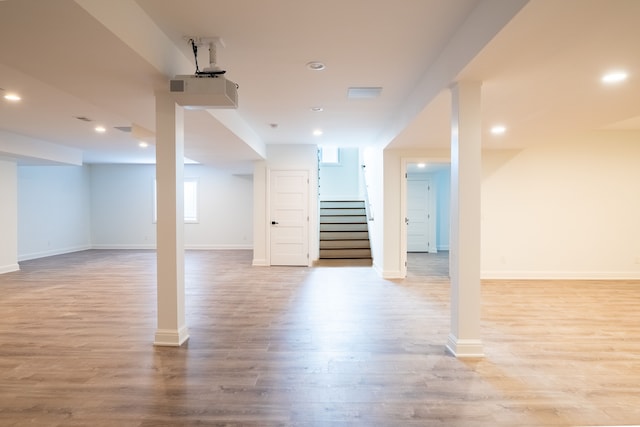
(538,72)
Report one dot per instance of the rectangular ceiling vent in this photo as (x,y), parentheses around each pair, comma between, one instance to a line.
(83,118)
(363,92)
(123,128)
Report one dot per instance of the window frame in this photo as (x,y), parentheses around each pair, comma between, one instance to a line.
(195,203)
(332,150)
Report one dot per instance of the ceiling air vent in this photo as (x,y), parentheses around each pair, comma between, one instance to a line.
(83,118)
(123,128)
(363,92)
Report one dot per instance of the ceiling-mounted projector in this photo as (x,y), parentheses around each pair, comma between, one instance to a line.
(203,91)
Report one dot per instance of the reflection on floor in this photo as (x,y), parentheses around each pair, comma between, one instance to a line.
(428,264)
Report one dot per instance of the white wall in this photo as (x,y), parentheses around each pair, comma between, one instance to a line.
(373,160)
(341,181)
(442,180)
(560,209)
(563,209)
(284,157)
(8,217)
(53,210)
(393,253)
(122,208)
(226,210)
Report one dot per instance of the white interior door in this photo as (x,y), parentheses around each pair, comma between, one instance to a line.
(418,216)
(289,210)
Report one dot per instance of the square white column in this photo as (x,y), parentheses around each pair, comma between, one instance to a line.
(172,329)
(466,178)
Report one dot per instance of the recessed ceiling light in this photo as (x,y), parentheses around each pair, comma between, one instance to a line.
(317,109)
(143,144)
(12,97)
(100,129)
(498,130)
(614,77)
(316,66)
(317,132)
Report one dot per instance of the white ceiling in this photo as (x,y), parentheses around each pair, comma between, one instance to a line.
(104,60)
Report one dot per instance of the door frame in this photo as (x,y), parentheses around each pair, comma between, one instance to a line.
(267,218)
(405,161)
(431,212)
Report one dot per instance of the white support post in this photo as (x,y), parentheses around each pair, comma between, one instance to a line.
(466,176)
(172,329)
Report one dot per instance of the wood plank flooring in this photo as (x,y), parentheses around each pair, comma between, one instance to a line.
(322,346)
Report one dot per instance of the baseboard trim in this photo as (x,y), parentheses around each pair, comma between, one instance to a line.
(259,262)
(559,275)
(232,247)
(110,246)
(187,247)
(9,268)
(171,337)
(392,275)
(463,348)
(53,252)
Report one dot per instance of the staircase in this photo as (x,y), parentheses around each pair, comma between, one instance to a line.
(343,230)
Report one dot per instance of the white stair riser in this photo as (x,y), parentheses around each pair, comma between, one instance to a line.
(344,235)
(343,219)
(344,244)
(343,227)
(342,204)
(360,212)
(345,253)
(344,230)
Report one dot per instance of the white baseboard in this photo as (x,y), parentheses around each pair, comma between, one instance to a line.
(231,247)
(186,246)
(464,347)
(9,268)
(397,274)
(259,262)
(171,337)
(52,252)
(376,267)
(124,246)
(558,275)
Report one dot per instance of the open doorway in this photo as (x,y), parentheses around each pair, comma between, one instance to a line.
(425,203)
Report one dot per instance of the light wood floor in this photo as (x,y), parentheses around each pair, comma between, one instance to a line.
(324,346)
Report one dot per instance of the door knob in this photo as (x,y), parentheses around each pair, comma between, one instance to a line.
(274,222)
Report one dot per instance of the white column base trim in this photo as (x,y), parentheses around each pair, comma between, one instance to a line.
(171,337)
(258,262)
(390,274)
(9,268)
(464,348)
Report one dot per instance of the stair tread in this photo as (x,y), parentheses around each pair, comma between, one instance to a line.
(344,230)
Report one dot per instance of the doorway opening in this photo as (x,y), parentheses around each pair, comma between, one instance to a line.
(425,204)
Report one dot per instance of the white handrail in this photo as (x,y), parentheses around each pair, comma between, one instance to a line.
(367,204)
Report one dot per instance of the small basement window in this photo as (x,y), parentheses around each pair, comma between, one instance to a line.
(330,155)
(190,200)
